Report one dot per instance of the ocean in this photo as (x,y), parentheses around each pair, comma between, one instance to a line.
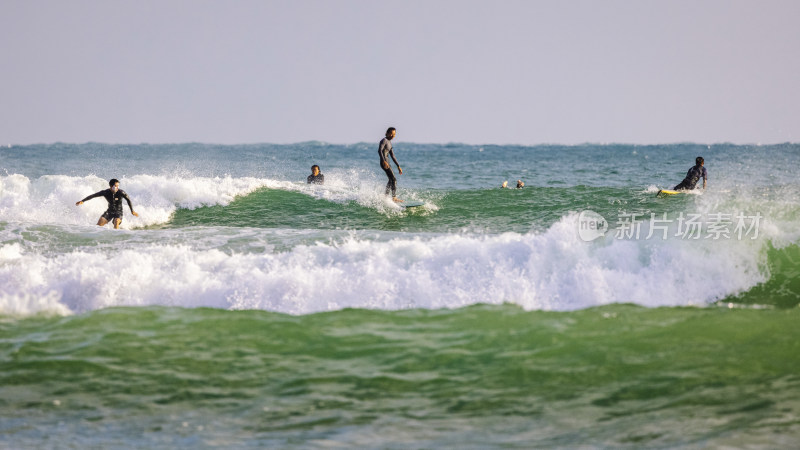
(244,308)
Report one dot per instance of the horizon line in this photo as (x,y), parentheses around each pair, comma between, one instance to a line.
(325,143)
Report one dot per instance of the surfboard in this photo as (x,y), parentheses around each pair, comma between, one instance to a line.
(411,204)
(665,192)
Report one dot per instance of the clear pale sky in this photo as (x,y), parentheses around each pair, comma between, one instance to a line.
(478,72)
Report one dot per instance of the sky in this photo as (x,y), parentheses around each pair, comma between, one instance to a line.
(476,72)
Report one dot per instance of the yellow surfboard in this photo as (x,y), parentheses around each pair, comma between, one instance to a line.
(665,192)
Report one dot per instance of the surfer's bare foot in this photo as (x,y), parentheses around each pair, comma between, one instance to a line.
(397,200)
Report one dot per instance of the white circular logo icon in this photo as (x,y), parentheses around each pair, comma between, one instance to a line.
(591,225)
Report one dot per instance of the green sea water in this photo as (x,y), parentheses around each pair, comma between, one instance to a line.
(488,210)
(474,377)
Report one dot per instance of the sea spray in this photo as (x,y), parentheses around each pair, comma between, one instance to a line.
(554,270)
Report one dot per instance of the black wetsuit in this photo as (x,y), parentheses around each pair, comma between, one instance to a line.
(319,179)
(692,177)
(385,150)
(114,210)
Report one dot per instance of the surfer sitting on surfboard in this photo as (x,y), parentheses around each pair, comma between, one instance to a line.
(693,176)
(385,150)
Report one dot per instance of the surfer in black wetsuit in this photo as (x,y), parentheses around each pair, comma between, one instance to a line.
(113,196)
(385,151)
(315,177)
(693,176)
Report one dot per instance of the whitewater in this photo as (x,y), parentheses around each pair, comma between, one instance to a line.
(242,241)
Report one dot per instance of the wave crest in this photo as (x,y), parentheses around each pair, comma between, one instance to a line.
(553,270)
(51,198)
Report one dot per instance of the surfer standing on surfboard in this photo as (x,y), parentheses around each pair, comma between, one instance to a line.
(385,151)
(693,176)
(113,196)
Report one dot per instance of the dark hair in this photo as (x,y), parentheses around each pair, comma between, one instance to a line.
(699,160)
(112,182)
(312,167)
(391,129)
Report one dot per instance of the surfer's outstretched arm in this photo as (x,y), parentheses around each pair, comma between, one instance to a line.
(95,195)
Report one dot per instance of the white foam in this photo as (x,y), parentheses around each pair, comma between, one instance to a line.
(54,270)
(554,270)
(51,199)
(353,185)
